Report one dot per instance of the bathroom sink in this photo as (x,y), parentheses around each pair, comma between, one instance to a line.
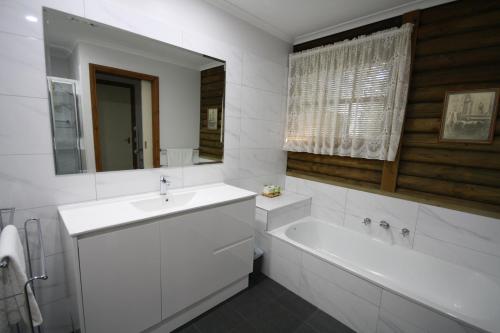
(164,201)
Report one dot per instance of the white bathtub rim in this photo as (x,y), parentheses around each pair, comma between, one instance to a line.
(279,233)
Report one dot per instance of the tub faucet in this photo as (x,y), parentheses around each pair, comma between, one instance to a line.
(384,224)
(164,184)
(367,221)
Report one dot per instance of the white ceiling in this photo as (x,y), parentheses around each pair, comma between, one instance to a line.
(63,31)
(300,20)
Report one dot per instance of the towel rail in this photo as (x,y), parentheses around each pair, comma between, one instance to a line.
(41,275)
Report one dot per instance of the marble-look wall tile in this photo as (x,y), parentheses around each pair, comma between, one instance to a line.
(56,316)
(418,315)
(75,7)
(322,194)
(232,102)
(398,213)
(261,162)
(256,133)
(119,183)
(261,104)
(231,165)
(232,56)
(29,181)
(203,174)
(232,130)
(22,65)
(390,323)
(351,310)
(263,74)
(49,222)
(327,214)
(285,264)
(328,201)
(54,288)
(33,115)
(463,256)
(256,184)
(13,18)
(462,229)
(341,278)
(135,17)
(280,217)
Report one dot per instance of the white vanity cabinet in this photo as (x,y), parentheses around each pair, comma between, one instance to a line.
(120,279)
(164,268)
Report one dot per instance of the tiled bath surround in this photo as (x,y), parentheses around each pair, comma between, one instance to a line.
(462,238)
(356,302)
(256,78)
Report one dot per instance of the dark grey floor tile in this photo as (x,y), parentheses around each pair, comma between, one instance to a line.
(271,287)
(189,328)
(273,317)
(251,301)
(265,307)
(324,323)
(305,328)
(297,305)
(244,327)
(220,319)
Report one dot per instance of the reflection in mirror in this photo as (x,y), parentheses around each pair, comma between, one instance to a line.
(121,101)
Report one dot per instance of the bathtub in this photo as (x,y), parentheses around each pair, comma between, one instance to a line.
(469,298)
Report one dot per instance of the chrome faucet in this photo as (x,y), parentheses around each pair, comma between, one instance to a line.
(164,184)
(384,224)
(405,232)
(367,221)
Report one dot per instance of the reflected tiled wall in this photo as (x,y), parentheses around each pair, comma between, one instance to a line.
(255,111)
(462,238)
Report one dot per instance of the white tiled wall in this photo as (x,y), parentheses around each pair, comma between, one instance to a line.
(466,239)
(256,76)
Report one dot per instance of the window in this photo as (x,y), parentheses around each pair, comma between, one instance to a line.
(349,98)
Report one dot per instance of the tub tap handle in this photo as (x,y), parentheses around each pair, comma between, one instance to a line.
(384,224)
(405,232)
(367,221)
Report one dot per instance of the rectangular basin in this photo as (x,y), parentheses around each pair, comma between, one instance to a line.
(164,201)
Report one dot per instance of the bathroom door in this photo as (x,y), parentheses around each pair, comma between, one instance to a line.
(116,126)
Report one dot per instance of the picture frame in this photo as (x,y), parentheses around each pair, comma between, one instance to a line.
(469,116)
(212,117)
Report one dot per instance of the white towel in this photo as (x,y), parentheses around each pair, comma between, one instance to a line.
(179,157)
(12,280)
(163,158)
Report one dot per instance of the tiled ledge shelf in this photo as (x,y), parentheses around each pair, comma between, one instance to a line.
(272,213)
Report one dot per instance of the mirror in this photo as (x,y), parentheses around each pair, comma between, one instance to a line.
(121,101)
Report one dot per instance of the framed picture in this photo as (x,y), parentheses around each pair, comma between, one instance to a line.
(212,118)
(469,116)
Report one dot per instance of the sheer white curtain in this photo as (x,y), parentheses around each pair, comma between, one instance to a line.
(349,98)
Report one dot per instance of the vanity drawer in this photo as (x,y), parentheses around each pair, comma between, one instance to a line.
(204,252)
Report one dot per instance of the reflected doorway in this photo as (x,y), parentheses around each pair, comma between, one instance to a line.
(125,117)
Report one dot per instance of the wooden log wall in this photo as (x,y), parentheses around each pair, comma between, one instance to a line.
(212,96)
(457,47)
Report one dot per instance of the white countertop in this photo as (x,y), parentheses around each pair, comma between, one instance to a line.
(90,216)
(285,199)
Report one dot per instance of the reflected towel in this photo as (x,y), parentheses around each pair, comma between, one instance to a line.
(12,280)
(179,157)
